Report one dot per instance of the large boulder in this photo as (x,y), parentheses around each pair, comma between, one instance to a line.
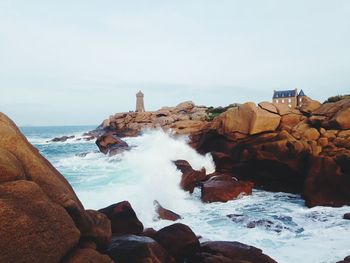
(123,218)
(137,249)
(190,177)
(246,119)
(326,183)
(333,115)
(41,218)
(309,106)
(178,239)
(230,252)
(87,255)
(110,143)
(33,228)
(222,188)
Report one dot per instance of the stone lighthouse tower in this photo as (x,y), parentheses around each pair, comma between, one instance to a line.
(140,107)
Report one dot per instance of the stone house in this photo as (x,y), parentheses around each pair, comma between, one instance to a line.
(289,97)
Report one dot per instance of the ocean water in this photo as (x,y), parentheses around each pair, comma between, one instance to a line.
(278,223)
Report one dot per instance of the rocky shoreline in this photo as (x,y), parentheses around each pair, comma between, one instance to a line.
(42,220)
(266,146)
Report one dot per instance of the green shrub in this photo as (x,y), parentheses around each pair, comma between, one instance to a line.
(337,98)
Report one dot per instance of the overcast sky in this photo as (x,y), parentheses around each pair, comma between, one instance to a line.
(77,62)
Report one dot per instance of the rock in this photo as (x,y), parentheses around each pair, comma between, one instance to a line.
(290,120)
(326,184)
(33,227)
(222,188)
(149,232)
(178,239)
(346,216)
(268,106)
(143,117)
(87,255)
(323,141)
(187,127)
(342,119)
(184,107)
(309,105)
(223,162)
(41,218)
(230,252)
(11,168)
(190,177)
(109,143)
(245,119)
(123,218)
(62,139)
(162,113)
(137,249)
(165,213)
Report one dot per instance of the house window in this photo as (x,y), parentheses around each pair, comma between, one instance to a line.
(282,101)
(289,105)
(289,100)
(276,101)
(300,99)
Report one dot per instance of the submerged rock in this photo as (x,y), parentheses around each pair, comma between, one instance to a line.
(62,139)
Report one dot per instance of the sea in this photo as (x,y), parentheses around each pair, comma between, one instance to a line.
(277,223)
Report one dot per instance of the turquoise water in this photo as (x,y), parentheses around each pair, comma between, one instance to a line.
(278,223)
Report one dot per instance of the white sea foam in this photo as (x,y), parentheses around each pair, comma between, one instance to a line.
(278,223)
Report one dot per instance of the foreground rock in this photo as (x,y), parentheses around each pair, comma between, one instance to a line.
(123,219)
(223,188)
(308,152)
(137,249)
(62,139)
(109,143)
(179,240)
(190,178)
(41,218)
(222,251)
(165,213)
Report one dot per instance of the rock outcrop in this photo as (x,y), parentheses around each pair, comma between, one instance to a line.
(190,178)
(164,213)
(185,118)
(41,218)
(304,151)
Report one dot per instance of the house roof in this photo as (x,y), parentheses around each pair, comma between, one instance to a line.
(301,93)
(284,93)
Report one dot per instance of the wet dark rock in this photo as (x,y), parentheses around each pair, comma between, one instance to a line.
(190,177)
(109,143)
(165,213)
(229,252)
(62,139)
(179,240)
(223,187)
(346,216)
(137,249)
(123,218)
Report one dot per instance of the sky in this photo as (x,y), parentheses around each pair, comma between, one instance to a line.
(77,62)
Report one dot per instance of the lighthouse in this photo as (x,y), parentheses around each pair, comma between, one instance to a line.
(140,107)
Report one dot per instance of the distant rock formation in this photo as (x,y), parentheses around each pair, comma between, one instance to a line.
(185,118)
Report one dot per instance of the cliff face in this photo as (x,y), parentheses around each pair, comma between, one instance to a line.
(304,150)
